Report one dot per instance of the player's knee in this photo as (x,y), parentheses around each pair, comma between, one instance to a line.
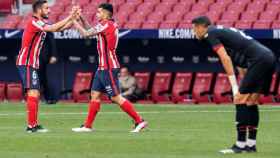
(95,97)
(33,93)
(118,99)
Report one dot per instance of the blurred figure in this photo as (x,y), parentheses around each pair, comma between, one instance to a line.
(48,56)
(128,86)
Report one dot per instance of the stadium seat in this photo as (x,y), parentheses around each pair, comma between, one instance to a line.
(273,7)
(6,6)
(269,98)
(182,7)
(14,92)
(201,8)
(150,25)
(243,24)
(146,7)
(155,17)
(256,6)
(237,7)
(190,15)
(168,25)
(161,87)
(129,7)
(202,88)
(213,15)
(218,7)
(230,16)
(174,17)
(184,25)
(2,91)
(181,88)
(262,24)
(222,90)
(226,23)
(138,17)
(143,80)
(276,25)
(164,7)
(268,16)
(132,25)
(249,16)
(82,86)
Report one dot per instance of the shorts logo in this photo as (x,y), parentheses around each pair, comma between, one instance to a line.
(109,89)
(34,82)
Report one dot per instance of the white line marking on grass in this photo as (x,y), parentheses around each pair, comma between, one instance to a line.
(143,112)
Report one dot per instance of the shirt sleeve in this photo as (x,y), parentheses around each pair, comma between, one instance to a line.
(214,42)
(38,25)
(101,28)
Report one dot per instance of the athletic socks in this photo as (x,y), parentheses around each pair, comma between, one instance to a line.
(129,109)
(253,124)
(32,111)
(93,109)
(241,124)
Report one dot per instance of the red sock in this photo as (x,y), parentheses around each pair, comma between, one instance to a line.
(129,109)
(93,109)
(32,107)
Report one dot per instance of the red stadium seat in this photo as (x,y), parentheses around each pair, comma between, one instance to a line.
(143,79)
(138,17)
(230,16)
(276,25)
(243,24)
(129,7)
(201,8)
(184,25)
(189,16)
(169,1)
(82,84)
(262,24)
(160,87)
(132,25)
(146,7)
(249,16)
(226,23)
(222,90)
(150,25)
(202,87)
(256,6)
(182,7)
(218,7)
(174,17)
(167,25)
(268,16)
(181,87)
(213,15)
(164,7)
(6,6)
(155,17)
(273,7)
(269,98)
(2,91)
(14,92)
(236,7)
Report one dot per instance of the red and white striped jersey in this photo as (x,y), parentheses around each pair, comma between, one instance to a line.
(31,45)
(107,42)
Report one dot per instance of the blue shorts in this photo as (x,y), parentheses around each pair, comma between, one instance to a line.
(106,81)
(29,77)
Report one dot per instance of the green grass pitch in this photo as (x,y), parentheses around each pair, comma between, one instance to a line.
(189,131)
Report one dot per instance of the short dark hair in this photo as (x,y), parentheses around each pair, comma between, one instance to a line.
(107,6)
(202,20)
(38,4)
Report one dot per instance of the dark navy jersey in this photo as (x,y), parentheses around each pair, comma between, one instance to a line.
(233,39)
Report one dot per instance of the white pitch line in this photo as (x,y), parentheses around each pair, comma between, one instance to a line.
(144,112)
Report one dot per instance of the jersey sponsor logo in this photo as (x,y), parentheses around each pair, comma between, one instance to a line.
(9,34)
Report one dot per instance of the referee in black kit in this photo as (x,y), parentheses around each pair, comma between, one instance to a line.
(261,66)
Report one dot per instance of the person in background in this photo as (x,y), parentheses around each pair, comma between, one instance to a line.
(49,56)
(128,85)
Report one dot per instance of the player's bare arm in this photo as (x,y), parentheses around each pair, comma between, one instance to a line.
(84,32)
(228,66)
(63,24)
(85,22)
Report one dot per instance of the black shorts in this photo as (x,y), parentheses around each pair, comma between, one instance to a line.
(259,74)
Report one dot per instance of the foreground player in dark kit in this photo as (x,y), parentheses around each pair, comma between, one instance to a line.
(261,65)
(28,58)
(106,77)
